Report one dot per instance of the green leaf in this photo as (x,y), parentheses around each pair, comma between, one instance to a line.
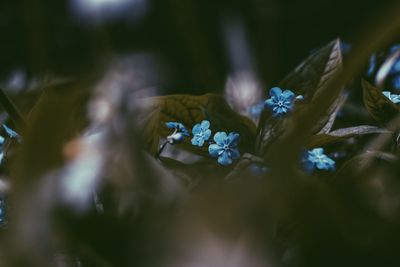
(379,106)
(309,79)
(345,133)
(190,110)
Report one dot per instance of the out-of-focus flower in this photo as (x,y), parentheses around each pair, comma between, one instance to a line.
(345,47)
(372,64)
(225,147)
(201,133)
(316,158)
(11,133)
(257,169)
(2,212)
(255,110)
(179,134)
(396,82)
(392,97)
(280,102)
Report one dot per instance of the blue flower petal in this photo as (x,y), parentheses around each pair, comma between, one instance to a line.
(197,129)
(214,150)
(11,132)
(288,95)
(318,151)
(220,137)
(275,92)
(269,103)
(205,124)
(207,134)
(171,125)
(234,153)
(224,159)
(233,139)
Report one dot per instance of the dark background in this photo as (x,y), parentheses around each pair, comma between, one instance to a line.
(46,36)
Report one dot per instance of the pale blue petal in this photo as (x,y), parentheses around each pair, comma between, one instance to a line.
(195,141)
(1,140)
(205,124)
(207,134)
(219,138)
(196,129)
(386,93)
(318,151)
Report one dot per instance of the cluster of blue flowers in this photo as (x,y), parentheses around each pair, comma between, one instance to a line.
(224,147)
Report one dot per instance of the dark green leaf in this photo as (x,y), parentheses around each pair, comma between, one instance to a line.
(379,106)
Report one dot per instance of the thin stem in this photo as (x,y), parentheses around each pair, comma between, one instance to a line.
(12,110)
(160,150)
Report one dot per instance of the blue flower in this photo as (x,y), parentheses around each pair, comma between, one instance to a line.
(392,97)
(201,133)
(255,110)
(179,134)
(317,159)
(11,133)
(225,147)
(280,102)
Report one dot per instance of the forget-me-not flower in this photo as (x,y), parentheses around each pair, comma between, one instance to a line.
(201,133)
(316,158)
(392,97)
(180,132)
(280,102)
(225,147)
